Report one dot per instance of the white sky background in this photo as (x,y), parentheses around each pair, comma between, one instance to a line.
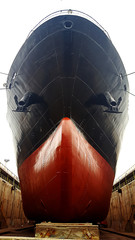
(18,17)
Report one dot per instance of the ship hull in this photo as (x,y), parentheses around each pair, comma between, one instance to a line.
(67,108)
(66,179)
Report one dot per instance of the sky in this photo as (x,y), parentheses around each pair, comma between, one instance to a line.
(17,19)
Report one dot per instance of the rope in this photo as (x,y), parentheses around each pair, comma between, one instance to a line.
(10,75)
(4,73)
(130,93)
(128,74)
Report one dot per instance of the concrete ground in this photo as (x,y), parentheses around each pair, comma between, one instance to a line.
(28,232)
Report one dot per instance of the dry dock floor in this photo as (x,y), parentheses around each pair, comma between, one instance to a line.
(107,235)
(28,232)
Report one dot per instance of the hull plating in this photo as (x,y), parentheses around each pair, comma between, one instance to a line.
(66,179)
(68,67)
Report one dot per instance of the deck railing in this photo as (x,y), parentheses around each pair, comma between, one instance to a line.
(9,172)
(69,12)
(124,179)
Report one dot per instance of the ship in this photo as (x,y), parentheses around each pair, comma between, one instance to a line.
(67,106)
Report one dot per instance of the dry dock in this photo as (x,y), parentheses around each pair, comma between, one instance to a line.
(11,211)
(121,216)
(120,219)
(29,233)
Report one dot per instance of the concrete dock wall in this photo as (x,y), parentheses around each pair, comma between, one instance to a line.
(11,211)
(121,215)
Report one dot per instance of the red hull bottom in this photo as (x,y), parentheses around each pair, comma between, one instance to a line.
(66,179)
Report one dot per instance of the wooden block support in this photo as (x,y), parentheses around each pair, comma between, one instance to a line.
(67,231)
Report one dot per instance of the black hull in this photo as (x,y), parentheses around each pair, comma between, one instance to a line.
(68,67)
